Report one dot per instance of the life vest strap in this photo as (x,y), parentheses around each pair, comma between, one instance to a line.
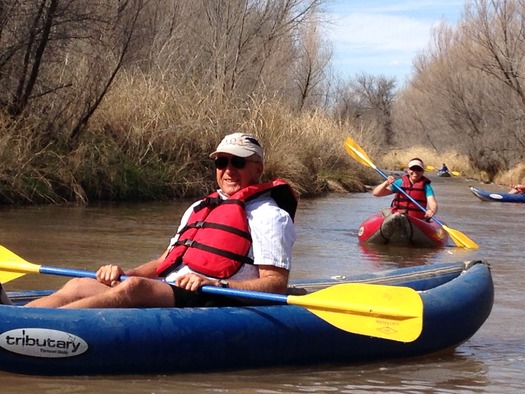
(224,227)
(214,202)
(233,256)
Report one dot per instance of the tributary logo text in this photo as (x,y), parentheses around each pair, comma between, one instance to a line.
(42,342)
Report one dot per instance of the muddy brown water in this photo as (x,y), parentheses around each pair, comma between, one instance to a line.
(492,361)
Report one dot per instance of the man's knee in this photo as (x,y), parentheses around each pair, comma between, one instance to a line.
(77,283)
(146,292)
(132,284)
(133,288)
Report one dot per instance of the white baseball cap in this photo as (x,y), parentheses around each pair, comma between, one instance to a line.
(416,163)
(239,144)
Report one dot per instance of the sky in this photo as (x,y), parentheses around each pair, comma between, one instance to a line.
(383,37)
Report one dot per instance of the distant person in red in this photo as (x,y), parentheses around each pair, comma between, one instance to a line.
(517,189)
(416,185)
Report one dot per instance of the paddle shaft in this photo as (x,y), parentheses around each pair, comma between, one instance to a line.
(229,292)
(254,295)
(25,267)
(11,262)
(306,301)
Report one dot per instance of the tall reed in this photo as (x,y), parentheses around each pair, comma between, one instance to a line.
(150,140)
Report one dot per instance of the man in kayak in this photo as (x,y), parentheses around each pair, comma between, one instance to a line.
(443,171)
(415,184)
(443,168)
(240,237)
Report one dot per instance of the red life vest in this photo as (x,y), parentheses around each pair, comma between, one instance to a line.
(417,191)
(216,240)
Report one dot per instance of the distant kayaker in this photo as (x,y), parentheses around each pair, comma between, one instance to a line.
(240,237)
(415,184)
(443,168)
(517,189)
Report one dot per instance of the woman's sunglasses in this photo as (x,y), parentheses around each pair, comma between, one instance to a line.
(237,162)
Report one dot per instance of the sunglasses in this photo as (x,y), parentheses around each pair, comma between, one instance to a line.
(416,169)
(237,162)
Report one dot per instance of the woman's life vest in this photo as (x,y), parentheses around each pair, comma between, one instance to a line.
(216,240)
(402,204)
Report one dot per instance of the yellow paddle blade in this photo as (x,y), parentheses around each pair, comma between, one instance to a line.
(9,276)
(357,152)
(389,312)
(460,239)
(456,173)
(13,266)
(430,168)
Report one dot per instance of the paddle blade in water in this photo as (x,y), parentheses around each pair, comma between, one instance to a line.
(460,239)
(388,312)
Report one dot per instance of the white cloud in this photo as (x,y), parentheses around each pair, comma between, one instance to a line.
(383,37)
(379,32)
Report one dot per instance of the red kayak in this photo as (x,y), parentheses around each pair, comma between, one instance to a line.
(399,229)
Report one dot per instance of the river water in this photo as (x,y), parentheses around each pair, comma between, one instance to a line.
(492,361)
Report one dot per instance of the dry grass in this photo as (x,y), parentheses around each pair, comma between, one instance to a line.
(151,140)
(514,176)
(183,126)
(31,173)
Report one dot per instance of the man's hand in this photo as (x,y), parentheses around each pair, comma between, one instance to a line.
(109,274)
(193,282)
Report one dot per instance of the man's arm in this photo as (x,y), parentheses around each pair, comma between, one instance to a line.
(384,189)
(271,280)
(432,207)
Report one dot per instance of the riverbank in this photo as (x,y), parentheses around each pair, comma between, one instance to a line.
(118,160)
(140,153)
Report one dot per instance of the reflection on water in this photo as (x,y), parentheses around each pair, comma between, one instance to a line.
(491,361)
(388,256)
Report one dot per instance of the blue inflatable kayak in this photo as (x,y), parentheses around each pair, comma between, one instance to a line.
(484,195)
(457,299)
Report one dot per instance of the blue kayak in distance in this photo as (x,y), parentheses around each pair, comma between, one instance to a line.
(484,195)
(457,299)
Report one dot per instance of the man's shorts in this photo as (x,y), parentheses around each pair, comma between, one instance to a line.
(191,299)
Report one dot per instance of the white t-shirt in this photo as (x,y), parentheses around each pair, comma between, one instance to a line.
(273,235)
